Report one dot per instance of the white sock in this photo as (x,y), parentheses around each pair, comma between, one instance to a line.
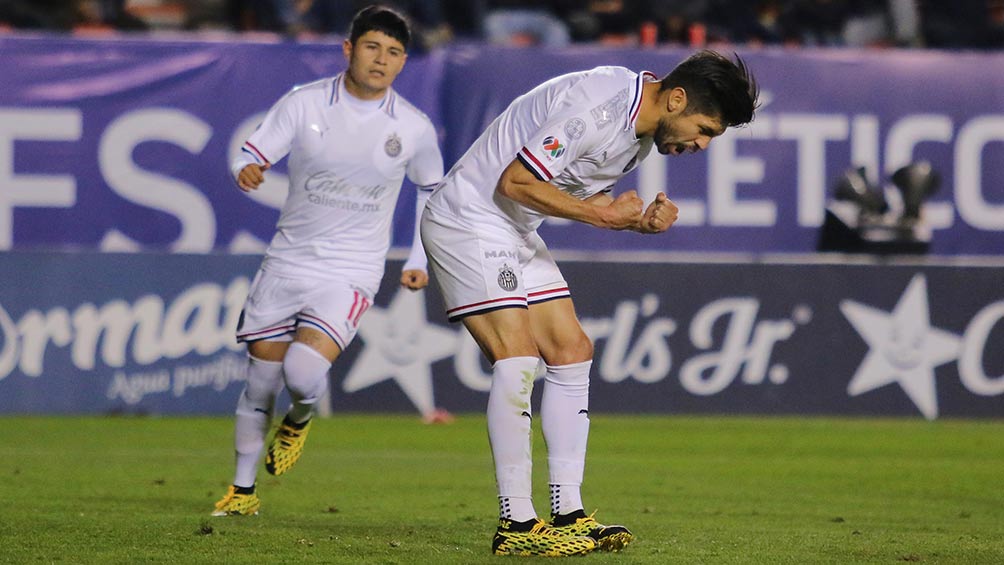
(254,414)
(564,417)
(306,379)
(509,434)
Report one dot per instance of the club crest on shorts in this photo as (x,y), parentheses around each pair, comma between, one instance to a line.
(393,145)
(507,278)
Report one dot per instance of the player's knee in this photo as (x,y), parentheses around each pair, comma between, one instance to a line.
(264,381)
(306,373)
(574,349)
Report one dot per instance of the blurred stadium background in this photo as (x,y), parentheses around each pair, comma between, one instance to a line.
(838,264)
(841,256)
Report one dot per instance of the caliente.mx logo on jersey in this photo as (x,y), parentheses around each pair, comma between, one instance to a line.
(507,278)
(553,147)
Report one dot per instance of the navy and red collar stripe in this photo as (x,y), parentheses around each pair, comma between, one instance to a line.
(643,77)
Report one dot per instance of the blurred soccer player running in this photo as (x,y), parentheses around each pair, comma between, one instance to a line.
(351,141)
(558,151)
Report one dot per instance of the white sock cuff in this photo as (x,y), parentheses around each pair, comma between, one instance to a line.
(260,361)
(306,349)
(572,373)
(535,361)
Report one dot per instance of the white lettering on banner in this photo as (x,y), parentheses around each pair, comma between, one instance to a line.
(973,138)
(728,169)
(33,191)
(733,178)
(811,132)
(865,145)
(10,352)
(974,345)
(156,191)
(905,348)
(743,351)
(217,374)
(202,319)
(646,358)
(132,388)
(649,359)
(746,343)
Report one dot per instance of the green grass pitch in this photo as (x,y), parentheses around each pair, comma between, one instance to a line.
(387,489)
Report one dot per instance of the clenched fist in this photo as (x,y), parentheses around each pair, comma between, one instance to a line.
(659,215)
(251,176)
(624,212)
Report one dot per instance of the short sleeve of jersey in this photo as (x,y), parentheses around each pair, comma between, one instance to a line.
(557,143)
(274,137)
(426,166)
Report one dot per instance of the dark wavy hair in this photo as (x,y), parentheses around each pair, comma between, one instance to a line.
(716,87)
(382,19)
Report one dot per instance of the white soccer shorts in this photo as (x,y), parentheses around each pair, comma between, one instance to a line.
(488,268)
(276,306)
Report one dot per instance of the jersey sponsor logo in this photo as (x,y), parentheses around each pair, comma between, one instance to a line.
(493,253)
(553,147)
(609,111)
(507,278)
(393,145)
(575,127)
(326,182)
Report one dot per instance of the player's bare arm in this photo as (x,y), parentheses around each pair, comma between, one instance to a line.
(600,199)
(519,184)
(414,279)
(252,176)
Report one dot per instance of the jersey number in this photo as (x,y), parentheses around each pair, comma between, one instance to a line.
(359,306)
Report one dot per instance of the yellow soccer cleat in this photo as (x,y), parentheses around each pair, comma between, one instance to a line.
(608,538)
(237,504)
(535,537)
(286,446)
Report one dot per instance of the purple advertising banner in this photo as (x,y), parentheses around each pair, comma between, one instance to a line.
(153,333)
(764,187)
(122,145)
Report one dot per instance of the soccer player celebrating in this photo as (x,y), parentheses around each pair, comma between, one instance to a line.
(351,141)
(557,151)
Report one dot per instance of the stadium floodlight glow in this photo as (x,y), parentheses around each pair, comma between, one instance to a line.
(853,186)
(916,182)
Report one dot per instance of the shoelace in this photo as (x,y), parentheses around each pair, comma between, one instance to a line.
(541,527)
(226,499)
(289,435)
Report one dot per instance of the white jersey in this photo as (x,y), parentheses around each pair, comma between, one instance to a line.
(347,161)
(575,131)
